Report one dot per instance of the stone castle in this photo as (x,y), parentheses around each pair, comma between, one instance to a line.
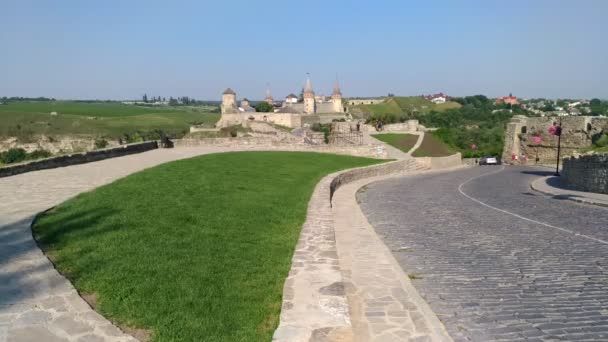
(288,114)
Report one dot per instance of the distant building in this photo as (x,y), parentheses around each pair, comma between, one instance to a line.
(291,98)
(437,98)
(512,100)
(245,107)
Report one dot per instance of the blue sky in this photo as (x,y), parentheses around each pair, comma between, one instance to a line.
(123,49)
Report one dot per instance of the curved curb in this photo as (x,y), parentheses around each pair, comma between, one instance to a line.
(534,185)
(317,301)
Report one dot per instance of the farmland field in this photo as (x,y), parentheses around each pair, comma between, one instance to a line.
(26,119)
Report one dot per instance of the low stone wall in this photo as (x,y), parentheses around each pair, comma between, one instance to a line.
(370,171)
(269,143)
(441,162)
(79,158)
(470,161)
(586,173)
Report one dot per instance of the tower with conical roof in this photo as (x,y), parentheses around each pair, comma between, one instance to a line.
(229,102)
(309,98)
(336,98)
(268,99)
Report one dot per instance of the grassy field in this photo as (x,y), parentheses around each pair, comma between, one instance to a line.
(402,105)
(27,119)
(404,142)
(433,147)
(194,250)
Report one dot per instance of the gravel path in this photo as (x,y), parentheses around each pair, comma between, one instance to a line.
(495,260)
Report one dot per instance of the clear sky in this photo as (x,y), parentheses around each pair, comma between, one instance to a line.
(117,49)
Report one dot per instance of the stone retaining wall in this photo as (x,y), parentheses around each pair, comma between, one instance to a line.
(315,307)
(79,158)
(270,143)
(441,162)
(586,173)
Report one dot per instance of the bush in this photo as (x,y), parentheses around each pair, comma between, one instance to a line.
(14,155)
(100,143)
(38,154)
(602,141)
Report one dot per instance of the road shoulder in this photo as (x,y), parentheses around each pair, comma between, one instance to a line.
(551,186)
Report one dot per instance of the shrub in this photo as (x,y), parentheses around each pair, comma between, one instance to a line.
(38,154)
(14,155)
(602,141)
(100,143)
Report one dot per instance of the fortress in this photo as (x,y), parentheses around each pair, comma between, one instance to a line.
(289,113)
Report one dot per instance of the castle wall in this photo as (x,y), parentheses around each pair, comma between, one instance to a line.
(586,173)
(577,134)
(283,119)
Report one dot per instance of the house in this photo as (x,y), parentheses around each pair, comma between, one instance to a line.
(512,100)
(291,98)
(437,98)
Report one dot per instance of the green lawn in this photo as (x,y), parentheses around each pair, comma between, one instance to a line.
(404,142)
(193,250)
(27,119)
(433,147)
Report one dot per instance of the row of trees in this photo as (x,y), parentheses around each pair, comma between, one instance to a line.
(183,100)
(5,99)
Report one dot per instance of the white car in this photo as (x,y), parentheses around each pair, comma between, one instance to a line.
(488,161)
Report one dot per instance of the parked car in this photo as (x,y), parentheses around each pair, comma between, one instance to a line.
(489,160)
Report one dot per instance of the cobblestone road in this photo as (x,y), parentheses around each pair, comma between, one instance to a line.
(495,260)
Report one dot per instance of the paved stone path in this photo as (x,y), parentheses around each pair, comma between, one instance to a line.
(384,306)
(36,303)
(495,260)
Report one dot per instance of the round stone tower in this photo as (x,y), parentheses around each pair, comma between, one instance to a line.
(229,102)
(309,98)
(336,99)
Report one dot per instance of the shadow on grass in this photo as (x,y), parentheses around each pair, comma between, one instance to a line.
(25,273)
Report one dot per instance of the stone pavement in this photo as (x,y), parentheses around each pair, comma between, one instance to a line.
(551,185)
(384,305)
(36,302)
(495,260)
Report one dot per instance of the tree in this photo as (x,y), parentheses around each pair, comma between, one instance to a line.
(595,102)
(264,107)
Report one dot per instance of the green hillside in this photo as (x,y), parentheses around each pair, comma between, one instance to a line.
(401,106)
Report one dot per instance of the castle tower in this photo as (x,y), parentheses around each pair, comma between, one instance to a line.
(229,102)
(309,98)
(336,99)
(268,99)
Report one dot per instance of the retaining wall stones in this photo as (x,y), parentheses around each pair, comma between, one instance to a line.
(441,162)
(271,143)
(79,158)
(586,173)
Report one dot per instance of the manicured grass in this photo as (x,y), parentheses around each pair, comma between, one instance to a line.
(25,124)
(194,250)
(433,147)
(404,142)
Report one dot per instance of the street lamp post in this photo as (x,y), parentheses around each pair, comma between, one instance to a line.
(558,132)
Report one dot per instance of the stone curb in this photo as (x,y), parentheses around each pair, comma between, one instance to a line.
(315,305)
(534,186)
